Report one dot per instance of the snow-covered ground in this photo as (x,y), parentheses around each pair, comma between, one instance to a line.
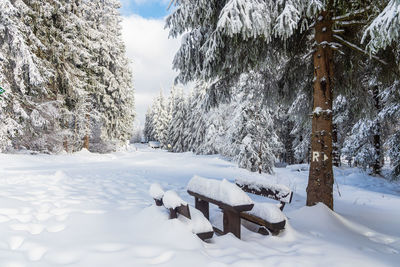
(95,210)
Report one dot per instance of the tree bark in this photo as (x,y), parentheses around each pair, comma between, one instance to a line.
(320,181)
(377,167)
(86,138)
(335,152)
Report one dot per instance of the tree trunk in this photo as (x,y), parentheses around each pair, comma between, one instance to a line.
(86,138)
(320,181)
(66,145)
(335,152)
(377,167)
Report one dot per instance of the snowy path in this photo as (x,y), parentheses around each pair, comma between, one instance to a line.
(94,210)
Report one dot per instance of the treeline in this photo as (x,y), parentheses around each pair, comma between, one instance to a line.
(264,117)
(66,79)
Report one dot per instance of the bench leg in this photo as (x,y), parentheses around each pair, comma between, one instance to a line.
(202,206)
(232,222)
(159,202)
(173,214)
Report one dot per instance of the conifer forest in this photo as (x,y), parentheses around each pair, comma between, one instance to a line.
(295,101)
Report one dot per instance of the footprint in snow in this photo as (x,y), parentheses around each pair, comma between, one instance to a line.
(379,238)
(109,247)
(32,228)
(8,212)
(23,218)
(64,257)
(4,219)
(56,228)
(317,234)
(35,252)
(13,264)
(42,217)
(15,242)
(163,258)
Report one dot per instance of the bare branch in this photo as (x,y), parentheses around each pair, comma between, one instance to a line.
(338,31)
(351,15)
(357,48)
(351,23)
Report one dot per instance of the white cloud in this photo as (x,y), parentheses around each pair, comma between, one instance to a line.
(151,53)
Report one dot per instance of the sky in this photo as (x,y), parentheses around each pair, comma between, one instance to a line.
(149,49)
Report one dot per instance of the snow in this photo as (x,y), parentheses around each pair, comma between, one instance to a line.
(198,223)
(261,182)
(171,200)
(267,211)
(223,191)
(95,210)
(156,191)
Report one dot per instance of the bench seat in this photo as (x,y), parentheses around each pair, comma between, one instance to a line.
(267,215)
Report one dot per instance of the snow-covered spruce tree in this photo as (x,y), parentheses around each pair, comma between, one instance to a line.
(252,134)
(110,82)
(161,120)
(28,100)
(11,42)
(177,123)
(298,112)
(148,130)
(232,36)
(363,142)
(196,120)
(382,33)
(216,139)
(391,113)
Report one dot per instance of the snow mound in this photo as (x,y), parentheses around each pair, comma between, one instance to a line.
(171,200)
(267,211)
(156,191)
(223,191)
(298,167)
(83,152)
(198,223)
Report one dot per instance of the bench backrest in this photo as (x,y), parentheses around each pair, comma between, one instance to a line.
(259,187)
(216,191)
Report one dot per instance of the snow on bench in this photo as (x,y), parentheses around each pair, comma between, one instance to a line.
(157,193)
(261,186)
(222,191)
(227,196)
(198,224)
(179,209)
(267,215)
(171,200)
(268,212)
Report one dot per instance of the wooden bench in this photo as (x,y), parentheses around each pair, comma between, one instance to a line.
(266,215)
(227,196)
(176,206)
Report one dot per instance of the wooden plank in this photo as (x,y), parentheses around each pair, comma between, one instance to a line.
(159,202)
(222,205)
(184,210)
(273,227)
(218,231)
(266,192)
(232,222)
(202,206)
(173,214)
(205,235)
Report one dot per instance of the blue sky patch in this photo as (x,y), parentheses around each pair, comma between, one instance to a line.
(145,8)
